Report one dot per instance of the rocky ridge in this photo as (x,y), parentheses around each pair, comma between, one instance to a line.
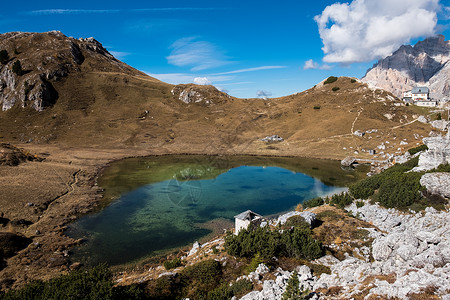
(45,58)
(425,64)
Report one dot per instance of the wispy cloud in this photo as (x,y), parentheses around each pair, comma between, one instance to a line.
(198,55)
(251,70)
(178,78)
(60,11)
(311,64)
(119,55)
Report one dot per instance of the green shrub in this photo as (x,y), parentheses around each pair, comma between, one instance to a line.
(95,283)
(335,89)
(330,79)
(256,260)
(353,80)
(293,291)
(207,271)
(413,151)
(222,292)
(317,107)
(439,116)
(172,264)
(296,242)
(341,200)
(4,57)
(359,204)
(313,202)
(242,287)
(401,190)
(17,67)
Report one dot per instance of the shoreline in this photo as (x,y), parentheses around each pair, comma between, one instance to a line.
(80,194)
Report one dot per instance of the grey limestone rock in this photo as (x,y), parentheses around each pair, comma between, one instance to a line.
(437,183)
(348,161)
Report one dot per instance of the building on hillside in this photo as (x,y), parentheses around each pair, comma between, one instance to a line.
(243,220)
(419,96)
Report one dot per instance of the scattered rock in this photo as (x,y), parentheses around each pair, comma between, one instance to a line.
(272,139)
(423,119)
(359,133)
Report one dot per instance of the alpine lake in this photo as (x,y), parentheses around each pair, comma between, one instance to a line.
(155,205)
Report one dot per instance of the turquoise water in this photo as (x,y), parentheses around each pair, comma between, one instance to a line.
(145,219)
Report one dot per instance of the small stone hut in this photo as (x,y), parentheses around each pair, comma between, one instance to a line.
(244,219)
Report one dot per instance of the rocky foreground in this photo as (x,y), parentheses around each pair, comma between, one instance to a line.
(411,255)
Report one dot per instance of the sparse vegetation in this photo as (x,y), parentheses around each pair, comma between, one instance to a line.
(353,80)
(330,79)
(335,89)
(316,106)
(439,116)
(417,149)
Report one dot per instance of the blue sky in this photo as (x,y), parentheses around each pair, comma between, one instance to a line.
(248,48)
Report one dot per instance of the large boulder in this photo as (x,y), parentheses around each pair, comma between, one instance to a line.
(437,183)
(348,161)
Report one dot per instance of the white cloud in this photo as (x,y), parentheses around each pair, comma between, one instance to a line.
(370,29)
(251,69)
(311,64)
(199,55)
(202,81)
(264,94)
(178,78)
(119,55)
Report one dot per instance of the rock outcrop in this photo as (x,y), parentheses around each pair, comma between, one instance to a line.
(413,255)
(206,95)
(438,153)
(425,64)
(437,183)
(46,58)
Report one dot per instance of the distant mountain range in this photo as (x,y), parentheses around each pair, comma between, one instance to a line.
(425,64)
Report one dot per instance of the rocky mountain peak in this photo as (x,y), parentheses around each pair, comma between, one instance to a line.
(426,63)
(45,58)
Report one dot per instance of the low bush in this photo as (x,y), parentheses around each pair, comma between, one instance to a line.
(330,79)
(313,202)
(241,287)
(95,283)
(413,151)
(172,264)
(353,80)
(341,200)
(335,89)
(296,242)
(317,107)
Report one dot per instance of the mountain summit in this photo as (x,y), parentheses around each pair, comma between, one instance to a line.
(427,64)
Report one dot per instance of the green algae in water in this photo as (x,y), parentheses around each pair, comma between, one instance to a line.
(159,201)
